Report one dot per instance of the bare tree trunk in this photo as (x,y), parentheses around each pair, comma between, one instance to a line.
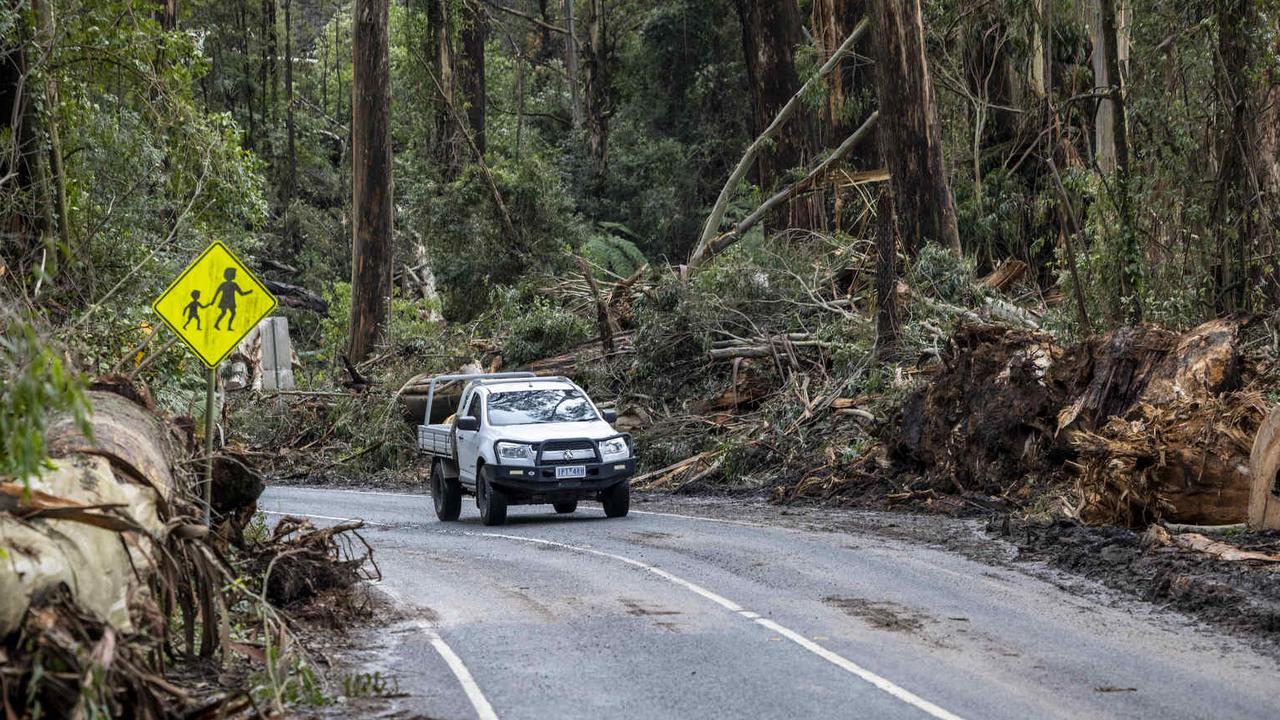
(1104,146)
(831,21)
(167,15)
(448,148)
(888,335)
(1041,70)
(371,247)
(20,165)
(597,111)
(771,30)
(471,72)
(910,136)
(1244,212)
(57,174)
(291,178)
(571,64)
(1130,270)
(545,47)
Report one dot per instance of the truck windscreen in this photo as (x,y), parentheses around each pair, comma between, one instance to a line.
(530,407)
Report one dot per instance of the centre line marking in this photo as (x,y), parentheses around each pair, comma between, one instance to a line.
(839,661)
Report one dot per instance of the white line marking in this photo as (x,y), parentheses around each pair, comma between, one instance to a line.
(741,523)
(847,665)
(479,702)
(324,517)
(348,492)
(839,661)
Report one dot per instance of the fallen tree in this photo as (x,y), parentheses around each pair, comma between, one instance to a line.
(111,579)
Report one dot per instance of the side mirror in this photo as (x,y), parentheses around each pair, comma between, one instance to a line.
(469,424)
(610,416)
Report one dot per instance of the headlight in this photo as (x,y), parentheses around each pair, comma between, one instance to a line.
(614,448)
(510,453)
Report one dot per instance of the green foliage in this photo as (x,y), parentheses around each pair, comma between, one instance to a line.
(35,386)
(470,251)
(411,330)
(616,255)
(943,274)
(534,327)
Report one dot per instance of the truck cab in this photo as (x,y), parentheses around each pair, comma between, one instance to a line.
(519,439)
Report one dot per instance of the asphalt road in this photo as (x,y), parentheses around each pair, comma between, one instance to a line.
(666,616)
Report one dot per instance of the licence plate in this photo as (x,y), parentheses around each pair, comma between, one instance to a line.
(571,471)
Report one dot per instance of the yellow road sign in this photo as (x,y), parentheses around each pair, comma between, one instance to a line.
(214,303)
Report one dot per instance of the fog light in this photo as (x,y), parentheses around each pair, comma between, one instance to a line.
(619,467)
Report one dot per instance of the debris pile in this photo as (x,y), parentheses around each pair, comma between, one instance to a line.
(300,561)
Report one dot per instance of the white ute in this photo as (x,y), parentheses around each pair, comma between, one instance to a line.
(520,439)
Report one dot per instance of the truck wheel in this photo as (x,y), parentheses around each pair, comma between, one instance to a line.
(564,508)
(491,502)
(446,493)
(617,500)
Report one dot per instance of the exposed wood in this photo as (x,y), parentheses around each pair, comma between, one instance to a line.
(910,134)
(447,126)
(1003,277)
(372,212)
(1264,471)
(712,225)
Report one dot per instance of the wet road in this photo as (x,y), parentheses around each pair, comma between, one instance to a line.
(669,616)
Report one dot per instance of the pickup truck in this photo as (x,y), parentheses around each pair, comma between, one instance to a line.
(521,439)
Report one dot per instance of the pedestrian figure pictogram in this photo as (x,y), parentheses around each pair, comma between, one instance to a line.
(192,312)
(240,298)
(228,290)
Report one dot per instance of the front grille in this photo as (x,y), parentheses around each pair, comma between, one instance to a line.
(552,452)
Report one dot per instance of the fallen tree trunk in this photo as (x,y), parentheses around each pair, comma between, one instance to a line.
(107,492)
(298,297)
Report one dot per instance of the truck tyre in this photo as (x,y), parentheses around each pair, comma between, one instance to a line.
(617,500)
(446,493)
(490,501)
(564,508)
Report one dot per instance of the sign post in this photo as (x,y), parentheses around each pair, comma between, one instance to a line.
(211,306)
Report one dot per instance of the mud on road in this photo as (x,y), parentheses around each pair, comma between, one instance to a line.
(1234,597)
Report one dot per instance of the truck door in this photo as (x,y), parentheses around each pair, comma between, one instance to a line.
(469,442)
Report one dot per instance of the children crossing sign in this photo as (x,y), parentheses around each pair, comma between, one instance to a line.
(214,303)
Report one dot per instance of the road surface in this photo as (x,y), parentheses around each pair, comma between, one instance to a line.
(670,616)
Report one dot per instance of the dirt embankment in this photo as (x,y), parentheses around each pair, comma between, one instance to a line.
(1235,595)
